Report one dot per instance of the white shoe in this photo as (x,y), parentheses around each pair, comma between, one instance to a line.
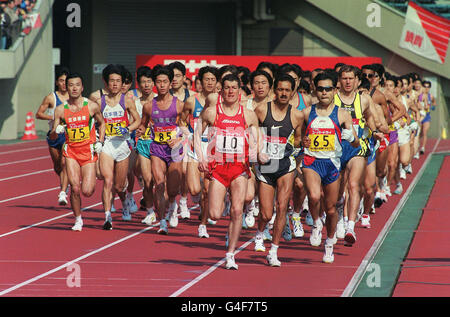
(372,209)
(417,155)
(272,259)
(211,222)
(255,210)
(149,219)
(173,215)
(250,219)
(62,198)
(350,237)
(399,189)
(287,232)
(78,225)
(365,221)
(402,173)
(163,229)
(422,150)
(387,191)
(184,211)
(231,264)
(202,233)
(298,227)
(316,236)
(340,230)
(259,245)
(408,169)
(272,220)
(328,257)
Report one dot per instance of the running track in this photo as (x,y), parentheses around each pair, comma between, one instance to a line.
(38,247)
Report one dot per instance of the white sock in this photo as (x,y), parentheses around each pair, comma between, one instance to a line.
(183,200)
(259,235)
(329,241)
(351,225)
(150,211)
(346,219)
(317,223)
(78,218)
(273,249)
(295,215)
(107,215)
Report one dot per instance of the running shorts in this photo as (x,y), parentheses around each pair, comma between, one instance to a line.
(393,137)
(166,153)
(348,151)
(82,154)
(403,136)
(143,147)
(227,172)
(119,150)
(272,178)
(324,167)
(427,118)
(58,142)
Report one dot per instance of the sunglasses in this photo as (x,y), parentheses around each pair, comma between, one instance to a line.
(370,75)
(322,88)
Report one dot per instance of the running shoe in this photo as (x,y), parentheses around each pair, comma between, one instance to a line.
(126,215)
(62,198)
(408,169)
(328,257)
(254,209)
(298,227)
(142,204)
(113,209)
(399,189)
(107,225)
(259,244)
(211,222)
(417,155)
(287,232)
(244,224)
(250,219)
(184,211)
(350,237)
(267,235)
(272,259)
(226,240)
(365,221)
(372,209)
(202,232)
(387,191)
(272,220)
(231,264)
(422,150)
(78,225)
(309,220)
(227,207)
(149,219)
(173,215)
(163,229)
(402,173)
(316,235)
(131,203)
(378,201)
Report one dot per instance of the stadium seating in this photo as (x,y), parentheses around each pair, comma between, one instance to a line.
(437,7)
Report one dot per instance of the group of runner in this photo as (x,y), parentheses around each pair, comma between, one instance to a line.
(243,144)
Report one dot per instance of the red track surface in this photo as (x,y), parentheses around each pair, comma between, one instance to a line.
(426,270)
(33,260)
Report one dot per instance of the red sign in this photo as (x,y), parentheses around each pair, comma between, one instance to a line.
(194,62)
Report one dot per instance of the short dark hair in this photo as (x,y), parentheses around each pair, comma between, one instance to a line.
(284,77)
(228,68)
(273,68)
(245,76)
(347,69)
(143,71)
(260,72)
(127,76)
(305,85)
(367,66)
(73,75)
(325,76)
(207,69)
(162,70)
(112,69)
(338,65)
(426,82)
(61,71)
(179,66)
(230,77)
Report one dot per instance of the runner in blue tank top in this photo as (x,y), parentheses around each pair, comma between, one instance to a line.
(46,111)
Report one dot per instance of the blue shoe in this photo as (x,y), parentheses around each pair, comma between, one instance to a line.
(309,219)
(267,235)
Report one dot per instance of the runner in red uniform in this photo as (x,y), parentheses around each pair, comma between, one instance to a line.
(233,135)
(81,147)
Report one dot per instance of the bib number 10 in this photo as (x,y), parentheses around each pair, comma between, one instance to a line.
(230,144)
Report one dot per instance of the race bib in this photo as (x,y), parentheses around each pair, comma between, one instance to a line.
(322,140)
(110,127)
(230,143)
(147,135)
(274,147)
(164,134)
(78,134)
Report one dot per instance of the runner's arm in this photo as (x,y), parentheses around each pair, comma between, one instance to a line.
(298,126)
(345,121)
(146,113)
(46,103)
(95,109)
(131,108)
(59,114)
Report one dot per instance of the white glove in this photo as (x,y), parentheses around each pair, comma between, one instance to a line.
(98,146)
(60,129)
(347,134)
(397,125)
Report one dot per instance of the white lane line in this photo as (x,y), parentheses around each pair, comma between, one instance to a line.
(25,175)
(357,277)
(23,150)
(208,271)
(55,218)
(30,194)
(38,277)
(24,161)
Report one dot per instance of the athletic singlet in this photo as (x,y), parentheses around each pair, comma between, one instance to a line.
(424,102)
(405,103)
(278,136)
(186,94)
(325,135)
(80,128)
(148,132)
(164,122)
(51,111)
(301,102)
(355,110)
(229,136)
(114,117)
